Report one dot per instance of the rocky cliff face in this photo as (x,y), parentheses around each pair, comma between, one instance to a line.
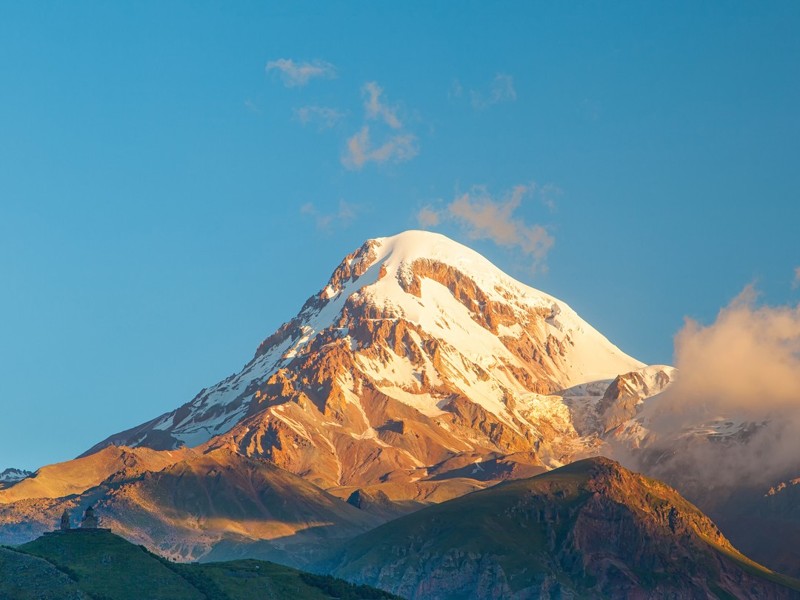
(591,529)
(622,399)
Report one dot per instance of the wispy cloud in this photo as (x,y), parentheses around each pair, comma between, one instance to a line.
(298,74)
(548,194)
(455,90)
(483,217)
(796,281)
(252,106)
(500,90)
(322,116)
(343,216)
(360,149)
(427,217)
(376,109)
(395,143)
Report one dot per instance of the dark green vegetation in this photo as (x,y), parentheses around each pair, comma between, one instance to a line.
(590,529)
(26,577)
(98,565)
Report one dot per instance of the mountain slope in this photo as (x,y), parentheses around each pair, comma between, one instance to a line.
(26,577)
(589,529)
(417,352)
(216,504)
(766,524)
(98,564)
(76,476)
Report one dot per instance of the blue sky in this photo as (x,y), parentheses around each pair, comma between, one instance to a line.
(177,178)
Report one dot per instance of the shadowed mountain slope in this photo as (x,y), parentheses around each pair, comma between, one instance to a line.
(99,565)
(208,502)
(590,529)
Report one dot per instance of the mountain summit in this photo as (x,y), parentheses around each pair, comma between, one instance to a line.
(417,360)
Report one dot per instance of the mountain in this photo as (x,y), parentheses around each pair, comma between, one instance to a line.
(13,476)
(763,521)
(590,529)
(84,564)
(418,374)
(76,476)
(417,363)
(215,505)
(740,470)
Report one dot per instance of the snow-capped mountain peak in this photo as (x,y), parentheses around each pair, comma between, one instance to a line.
(416,351)
(13,475)
(390,273)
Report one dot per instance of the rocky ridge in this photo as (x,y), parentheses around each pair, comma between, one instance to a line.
(12,475)
(590,529)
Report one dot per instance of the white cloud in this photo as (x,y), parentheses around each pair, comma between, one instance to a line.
(500,90)
(743,367)
(375,109)
(298,74)
(483,217)
(747,360)
(398,148)
(323,116)
(428,217)
(394,143)
(325,221)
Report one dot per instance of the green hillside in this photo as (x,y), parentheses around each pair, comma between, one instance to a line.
(98,565)
(25,577)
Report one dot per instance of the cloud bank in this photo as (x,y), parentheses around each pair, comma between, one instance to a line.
(744,367)
(483,217)
(298,74)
